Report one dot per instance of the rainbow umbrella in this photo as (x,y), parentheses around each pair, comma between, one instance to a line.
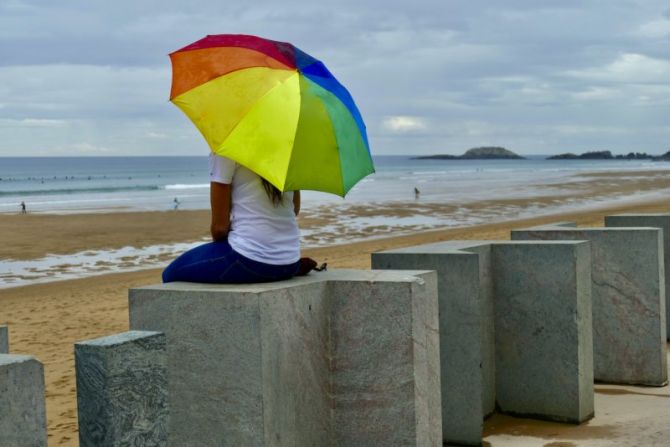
(274,109)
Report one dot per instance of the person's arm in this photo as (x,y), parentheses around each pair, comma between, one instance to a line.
(296,202)
(219,195)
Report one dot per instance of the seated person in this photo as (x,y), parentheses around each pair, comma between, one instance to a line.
(254,230)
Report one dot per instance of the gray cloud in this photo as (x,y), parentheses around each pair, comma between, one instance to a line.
(429,76)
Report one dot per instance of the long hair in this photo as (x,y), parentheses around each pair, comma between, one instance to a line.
(274,194)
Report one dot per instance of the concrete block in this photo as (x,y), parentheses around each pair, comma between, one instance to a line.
(467,351)
(628,294)
(22,411)
(466,278)
(384,352)
(661,221)
(4,340)
(122,390)
(339,358)
(544,344)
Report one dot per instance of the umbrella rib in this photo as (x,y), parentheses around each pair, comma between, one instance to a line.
(339,156)
(295,131)
(337,142)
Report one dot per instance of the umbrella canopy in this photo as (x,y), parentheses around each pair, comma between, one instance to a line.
(274,109)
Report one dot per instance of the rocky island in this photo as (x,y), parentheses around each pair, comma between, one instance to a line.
(477,153)
(605,155)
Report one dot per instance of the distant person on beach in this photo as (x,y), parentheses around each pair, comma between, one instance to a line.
(254,230)
(23,207)
(416,192)
(176,203)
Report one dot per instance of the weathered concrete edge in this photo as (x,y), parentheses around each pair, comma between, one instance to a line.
(351,275)
(465,246)
(118,339)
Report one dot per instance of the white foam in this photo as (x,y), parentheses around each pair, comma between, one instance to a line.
(87,263)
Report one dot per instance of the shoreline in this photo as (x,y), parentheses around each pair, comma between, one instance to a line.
(35,235)
(88,245)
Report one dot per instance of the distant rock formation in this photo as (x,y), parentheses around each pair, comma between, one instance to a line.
(593,155)
(477,153)
(664,157)
(635,156)
(607,155)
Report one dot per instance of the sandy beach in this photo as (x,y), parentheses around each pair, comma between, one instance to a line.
(46,319)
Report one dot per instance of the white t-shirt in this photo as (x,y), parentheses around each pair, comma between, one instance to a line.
(258,229)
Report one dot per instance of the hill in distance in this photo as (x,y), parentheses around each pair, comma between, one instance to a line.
(607,155)
(477,153)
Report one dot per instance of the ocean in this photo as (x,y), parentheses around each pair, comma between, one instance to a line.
(451,193)
(105,184)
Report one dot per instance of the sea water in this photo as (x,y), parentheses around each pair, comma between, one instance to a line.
(104,184)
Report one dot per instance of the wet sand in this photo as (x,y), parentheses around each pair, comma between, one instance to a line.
(46,319)
(33,236)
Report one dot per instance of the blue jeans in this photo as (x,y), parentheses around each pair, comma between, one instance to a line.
(217,262)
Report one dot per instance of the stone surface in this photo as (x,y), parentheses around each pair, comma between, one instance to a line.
(628,295)
(4,340)
(336,358)
(466,278)
(464,304)
(122,390)
(22,410)
(544,345)
(661,221)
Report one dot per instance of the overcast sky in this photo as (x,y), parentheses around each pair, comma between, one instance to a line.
(92,77)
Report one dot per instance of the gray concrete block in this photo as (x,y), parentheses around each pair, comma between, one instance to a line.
(628,296)
(216,356)
(122,390)
(661,221)
(289,342)
(338,358)
(467,362)
(375,365)
(22,410)
(544,350)
(4,340)
(466,278)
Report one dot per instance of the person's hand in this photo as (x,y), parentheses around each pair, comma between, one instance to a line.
(309,264)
